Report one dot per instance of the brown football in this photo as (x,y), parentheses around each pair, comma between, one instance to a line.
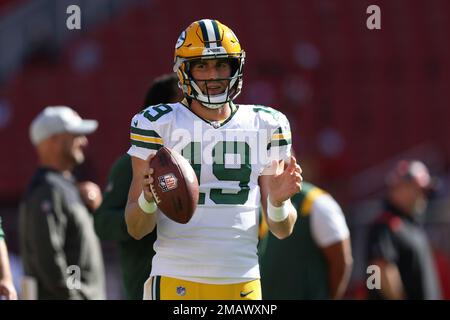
(175,185)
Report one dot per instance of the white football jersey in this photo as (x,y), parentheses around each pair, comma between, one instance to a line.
(219,243)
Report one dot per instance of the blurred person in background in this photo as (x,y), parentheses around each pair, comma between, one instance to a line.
(59,247)
(397,243)
(7,290)
(315,262)
(135,256)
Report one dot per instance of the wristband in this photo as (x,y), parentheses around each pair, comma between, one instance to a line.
(278,214)
(147,207)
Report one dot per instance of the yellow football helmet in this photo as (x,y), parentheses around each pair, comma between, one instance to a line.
(208,39)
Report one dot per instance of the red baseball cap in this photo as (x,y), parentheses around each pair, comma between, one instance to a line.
(414,170)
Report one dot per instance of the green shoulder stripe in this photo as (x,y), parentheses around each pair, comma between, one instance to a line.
(147,145)
(281,130)
(147,133)
(279,143)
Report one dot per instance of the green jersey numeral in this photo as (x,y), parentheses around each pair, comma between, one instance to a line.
(157,112)
(192,152)
(275,114)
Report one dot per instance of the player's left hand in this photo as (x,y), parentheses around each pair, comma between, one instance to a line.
(284,184)
(90,194)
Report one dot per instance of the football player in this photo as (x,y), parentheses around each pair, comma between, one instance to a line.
(241,155)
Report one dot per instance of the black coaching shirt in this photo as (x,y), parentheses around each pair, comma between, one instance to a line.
(397,238)
(58,243)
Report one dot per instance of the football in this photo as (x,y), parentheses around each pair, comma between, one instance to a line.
(175,185)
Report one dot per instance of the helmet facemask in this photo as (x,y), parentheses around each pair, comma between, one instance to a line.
(192,90)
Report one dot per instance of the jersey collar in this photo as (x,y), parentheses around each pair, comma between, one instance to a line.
(214,124)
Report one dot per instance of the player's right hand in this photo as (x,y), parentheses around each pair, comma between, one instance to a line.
(147,181)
